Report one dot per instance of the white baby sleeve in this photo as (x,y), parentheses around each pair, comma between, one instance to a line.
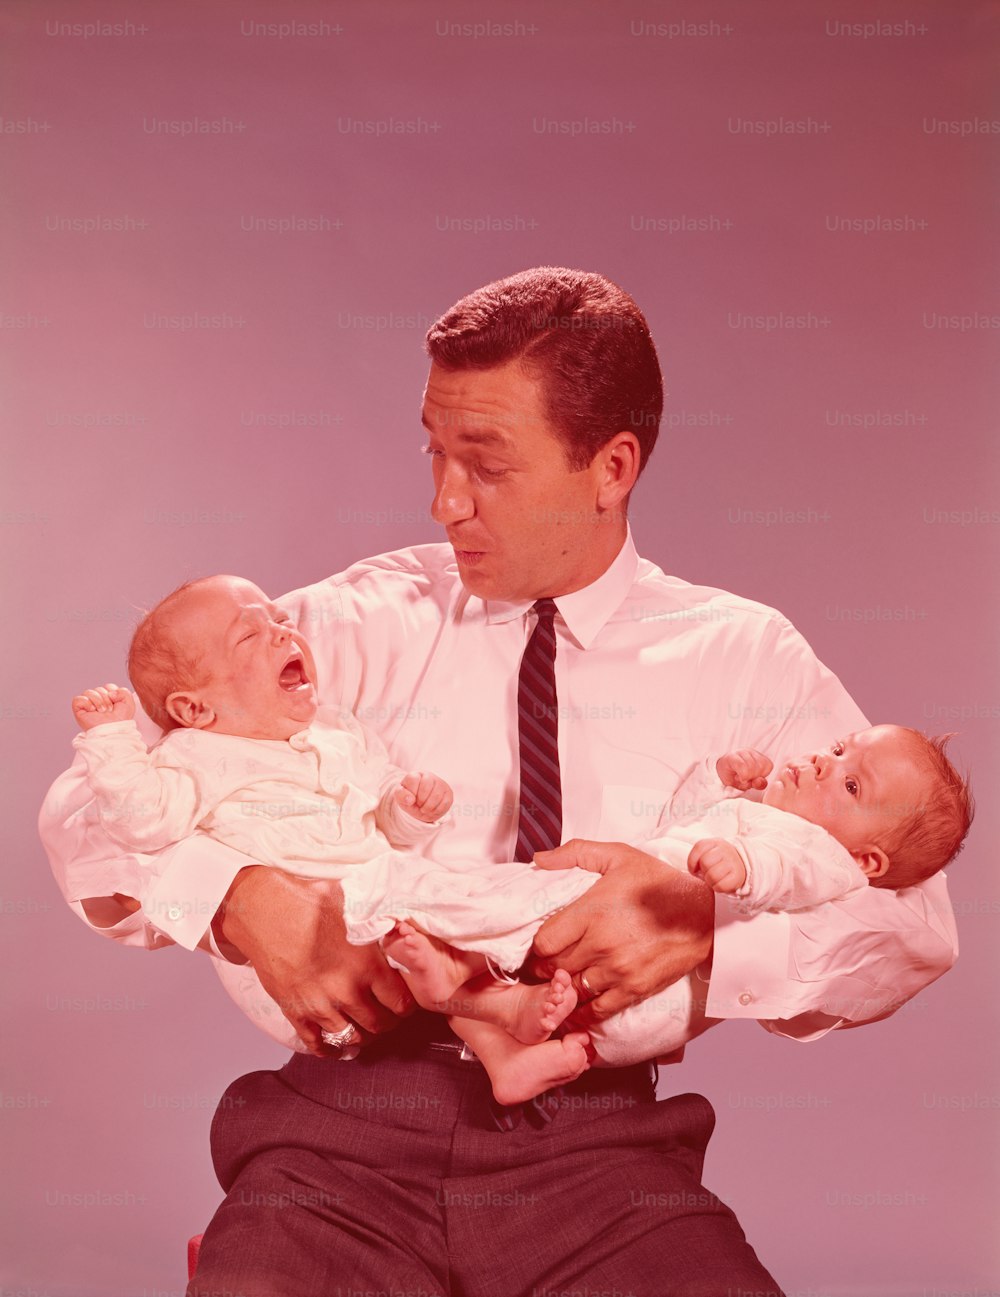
(791,863)
(143,805)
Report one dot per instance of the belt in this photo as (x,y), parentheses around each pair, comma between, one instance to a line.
(427,1035)
(418,1035)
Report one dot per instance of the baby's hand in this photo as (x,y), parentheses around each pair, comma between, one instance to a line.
(426,796)
(718,863)
(103,705)
(745,769)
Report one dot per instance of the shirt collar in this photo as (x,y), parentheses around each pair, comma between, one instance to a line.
(585,611)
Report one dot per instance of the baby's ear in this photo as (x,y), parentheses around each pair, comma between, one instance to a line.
(187,709)
(873,861)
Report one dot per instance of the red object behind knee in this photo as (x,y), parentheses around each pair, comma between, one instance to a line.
(194,1247)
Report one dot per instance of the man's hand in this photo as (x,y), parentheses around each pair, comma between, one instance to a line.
(426,796)
(292,931)
(744,769)
(718,863)
(103,705)
(639,928)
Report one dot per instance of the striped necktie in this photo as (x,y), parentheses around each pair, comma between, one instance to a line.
(539,825)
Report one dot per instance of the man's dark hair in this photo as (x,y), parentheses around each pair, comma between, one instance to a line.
(581,335)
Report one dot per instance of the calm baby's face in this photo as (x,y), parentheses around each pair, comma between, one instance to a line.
(259,673)
(859,789)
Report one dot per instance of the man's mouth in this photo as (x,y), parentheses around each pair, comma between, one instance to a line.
(463,548)
(292,675)
(464,554)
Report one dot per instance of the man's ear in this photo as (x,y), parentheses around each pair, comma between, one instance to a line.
(873,861)
(620,468)
(188,710)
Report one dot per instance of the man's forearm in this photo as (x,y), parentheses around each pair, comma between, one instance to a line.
(292,931)
(106,911)
(244,899)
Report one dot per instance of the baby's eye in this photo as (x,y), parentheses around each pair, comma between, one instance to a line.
(429,450)
(852,786)
(249,635)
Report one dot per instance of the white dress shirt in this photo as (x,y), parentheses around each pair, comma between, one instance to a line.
(652,673)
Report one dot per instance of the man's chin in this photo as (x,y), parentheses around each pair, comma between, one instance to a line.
(476,580)
(489,591)
(484,579)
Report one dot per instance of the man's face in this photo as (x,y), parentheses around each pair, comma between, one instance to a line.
(860,789)
(522,523)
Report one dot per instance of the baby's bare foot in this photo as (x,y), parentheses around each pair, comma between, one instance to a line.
(536,1068)
(435,970)
(536,1011)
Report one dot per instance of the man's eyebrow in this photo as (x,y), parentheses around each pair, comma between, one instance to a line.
(477,438)
(487,439)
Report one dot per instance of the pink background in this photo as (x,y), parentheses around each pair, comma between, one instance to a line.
(841,467)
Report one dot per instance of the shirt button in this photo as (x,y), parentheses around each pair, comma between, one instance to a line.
(746,997)
(174,912)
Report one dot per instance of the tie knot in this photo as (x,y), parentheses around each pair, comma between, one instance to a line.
(545,608)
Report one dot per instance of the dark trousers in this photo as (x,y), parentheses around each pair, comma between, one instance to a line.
(387,1177)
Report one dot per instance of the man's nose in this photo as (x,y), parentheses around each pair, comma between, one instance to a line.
(453,501)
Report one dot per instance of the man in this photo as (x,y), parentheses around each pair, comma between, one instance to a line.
(542,406)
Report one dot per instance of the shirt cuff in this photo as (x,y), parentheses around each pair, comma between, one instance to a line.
(130,930)
(804,1026)
(750,961)
(198,873)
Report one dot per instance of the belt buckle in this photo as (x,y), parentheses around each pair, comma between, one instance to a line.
(465,1054)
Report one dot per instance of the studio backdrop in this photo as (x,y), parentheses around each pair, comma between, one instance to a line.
(226,228)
